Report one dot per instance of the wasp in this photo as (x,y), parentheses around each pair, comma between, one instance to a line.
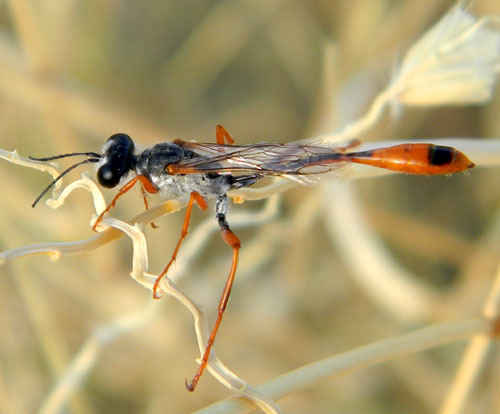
(194,172)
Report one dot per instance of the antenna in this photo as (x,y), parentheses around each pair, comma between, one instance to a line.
(97,158)
(56,157)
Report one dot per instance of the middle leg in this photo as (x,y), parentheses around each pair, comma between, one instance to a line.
(194,197)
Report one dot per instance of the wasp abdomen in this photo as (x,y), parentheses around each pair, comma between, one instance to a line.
(422,159)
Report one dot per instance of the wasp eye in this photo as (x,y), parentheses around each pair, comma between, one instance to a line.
(108,176)
(119,160)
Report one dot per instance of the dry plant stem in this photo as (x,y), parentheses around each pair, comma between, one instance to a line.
(445,66)
(50,338)
(388,284)
(363,124)
(192,245)
(199,236)
(85,183)
(55,250)
(216,368)
(246,194)
(90,351)
(474,357)
(15,158)
(88,356)
(357,359)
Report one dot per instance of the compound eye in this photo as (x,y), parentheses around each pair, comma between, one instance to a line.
(108,177)
(119,160)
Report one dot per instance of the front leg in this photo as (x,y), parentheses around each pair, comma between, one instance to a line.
(146,185)
(232,240)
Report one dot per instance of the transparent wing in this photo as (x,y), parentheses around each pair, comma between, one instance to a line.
(263,158)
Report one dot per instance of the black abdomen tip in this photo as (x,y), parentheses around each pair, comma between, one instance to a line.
(439,155)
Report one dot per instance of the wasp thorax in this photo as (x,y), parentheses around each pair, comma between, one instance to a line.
(119,159)
(154,160)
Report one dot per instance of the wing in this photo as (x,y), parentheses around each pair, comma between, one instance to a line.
(263,158)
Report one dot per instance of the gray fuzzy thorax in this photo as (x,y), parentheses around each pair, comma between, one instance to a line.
(152,163)
(181,186)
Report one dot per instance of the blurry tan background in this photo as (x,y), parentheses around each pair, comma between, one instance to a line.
(72,73)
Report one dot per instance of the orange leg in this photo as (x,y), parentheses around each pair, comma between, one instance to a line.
(195,197)
(232,240)
(146,204)
(145,183)
(221,134)
(353,143)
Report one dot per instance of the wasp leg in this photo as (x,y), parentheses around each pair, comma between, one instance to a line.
(353,143)
(145,183)
(146,204)
(232,240)
(194,197)
(221,134)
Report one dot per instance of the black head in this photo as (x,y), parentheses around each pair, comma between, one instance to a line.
(119,159)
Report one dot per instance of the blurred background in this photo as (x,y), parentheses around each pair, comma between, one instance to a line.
(72,73)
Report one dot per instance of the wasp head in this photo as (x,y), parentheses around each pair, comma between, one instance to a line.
(117,160)
(114,163)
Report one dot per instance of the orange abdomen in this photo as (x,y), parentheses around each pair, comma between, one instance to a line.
(424,159)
